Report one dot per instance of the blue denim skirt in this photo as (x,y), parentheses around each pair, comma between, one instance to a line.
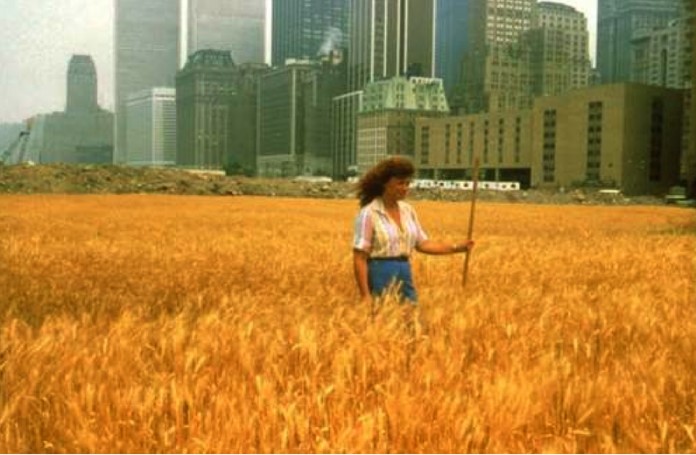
(381,274)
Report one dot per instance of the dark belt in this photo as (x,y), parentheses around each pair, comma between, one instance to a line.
(390,258)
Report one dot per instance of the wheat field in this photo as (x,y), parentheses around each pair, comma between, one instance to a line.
(178,324)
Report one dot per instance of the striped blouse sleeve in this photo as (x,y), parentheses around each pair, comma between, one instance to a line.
(363,231)
(419,232)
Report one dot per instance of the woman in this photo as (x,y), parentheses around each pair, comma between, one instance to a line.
(387,231)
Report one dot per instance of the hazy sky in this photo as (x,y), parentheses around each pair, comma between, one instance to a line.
(38,37)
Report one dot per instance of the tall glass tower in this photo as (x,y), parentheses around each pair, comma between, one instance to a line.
(618,22)
(450,41)
(82,85)
(306,29)
(146,54)
(390,38)
(236,26)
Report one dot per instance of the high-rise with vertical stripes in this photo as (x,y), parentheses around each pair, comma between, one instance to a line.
(496,71)
(390,38)
(618,22)
(560,58)
(146,54)
(450,41)
(236,26)
(306,29)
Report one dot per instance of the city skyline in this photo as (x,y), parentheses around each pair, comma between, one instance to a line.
(40,37)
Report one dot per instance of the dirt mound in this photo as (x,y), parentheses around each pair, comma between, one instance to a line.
(101,179)
(112,179)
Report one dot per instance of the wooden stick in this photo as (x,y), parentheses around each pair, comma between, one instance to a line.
(470,233)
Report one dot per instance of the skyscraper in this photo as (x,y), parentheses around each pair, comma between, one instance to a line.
(450,41)
(344,111)
(689,153)
(318,89)
(279,143)
(146,54)
(294,124)
(560,49)
(618,22)
(83,133)
(390,38)
(659,55)
(496,73)
(236,26)
(82,85)
(205,90)
(243,118)
(306,29)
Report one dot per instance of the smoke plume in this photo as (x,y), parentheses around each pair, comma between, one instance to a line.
(332,40)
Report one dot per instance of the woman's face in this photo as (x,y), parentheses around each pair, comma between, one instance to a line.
(396,188)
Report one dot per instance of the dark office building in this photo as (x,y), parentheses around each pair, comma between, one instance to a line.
(618,22)
(307,29)
(319,88)
(689,155)
(205,90)
(344,127)
(244,118)
(280,121)
(294,129)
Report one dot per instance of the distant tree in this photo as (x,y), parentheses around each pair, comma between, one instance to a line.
(234,168)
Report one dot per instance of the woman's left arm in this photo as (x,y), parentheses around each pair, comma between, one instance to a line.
(427,246)
(437,247)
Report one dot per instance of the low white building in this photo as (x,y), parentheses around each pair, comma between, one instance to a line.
(412,94)
(151,127)
(386,121)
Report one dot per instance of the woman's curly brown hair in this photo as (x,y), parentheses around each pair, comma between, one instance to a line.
(371,185)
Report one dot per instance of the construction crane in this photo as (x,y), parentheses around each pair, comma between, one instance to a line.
(16,152)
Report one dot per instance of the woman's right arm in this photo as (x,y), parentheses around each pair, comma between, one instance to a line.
(362,245)
(360,270)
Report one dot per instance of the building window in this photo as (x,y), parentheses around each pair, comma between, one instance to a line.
(594,141)
(656,136)
(501,139)
(485,141)
(549,150)
(471,143)
(518,131)
(425,145)
(447,143)
(459,143)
